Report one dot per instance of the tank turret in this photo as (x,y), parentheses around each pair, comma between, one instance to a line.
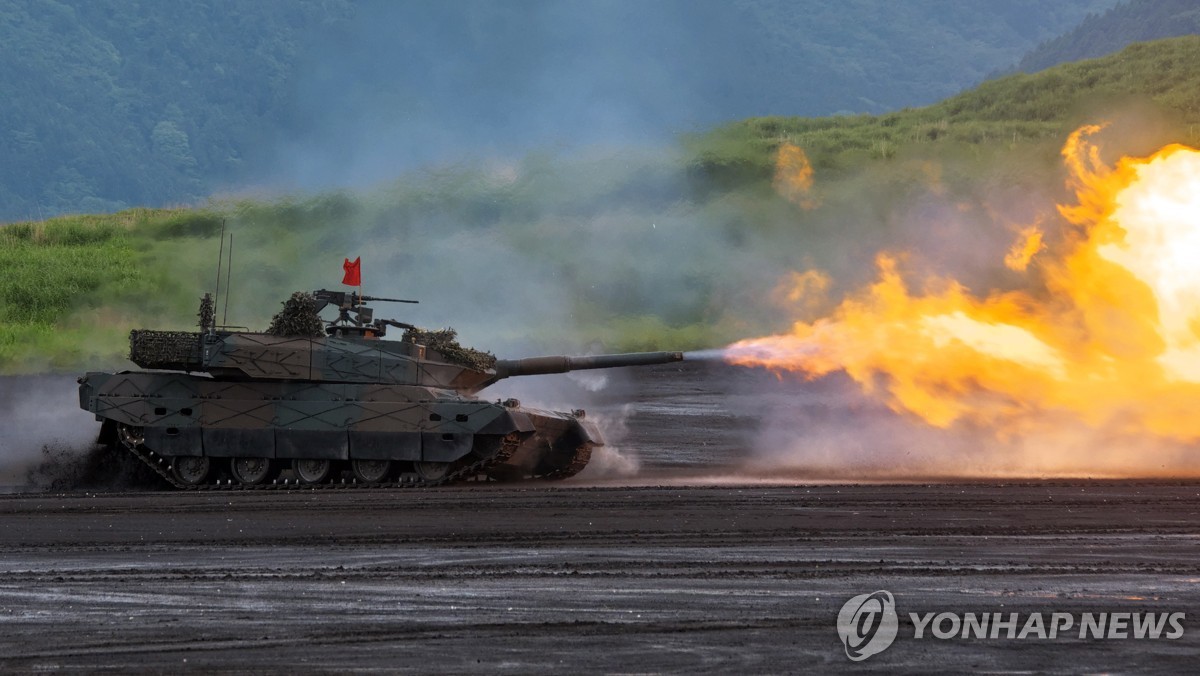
(351,349)
(313,401)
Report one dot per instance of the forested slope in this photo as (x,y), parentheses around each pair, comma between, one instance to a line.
(1105,33)
(122,103)
(111,104)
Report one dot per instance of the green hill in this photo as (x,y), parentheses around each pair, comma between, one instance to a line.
(632,250)
(1162,78)
(1103,34)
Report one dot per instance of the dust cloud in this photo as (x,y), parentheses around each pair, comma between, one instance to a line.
(829,430)
(48,441)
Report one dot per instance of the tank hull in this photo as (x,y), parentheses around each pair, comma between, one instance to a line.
(407,434)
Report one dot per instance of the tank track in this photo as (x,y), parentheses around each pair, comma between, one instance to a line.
(472,471)
(583,455)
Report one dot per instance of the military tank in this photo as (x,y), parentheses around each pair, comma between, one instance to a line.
(316,403)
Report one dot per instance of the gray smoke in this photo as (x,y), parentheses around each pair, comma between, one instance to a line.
(40,415)
(830,430)
(402,84)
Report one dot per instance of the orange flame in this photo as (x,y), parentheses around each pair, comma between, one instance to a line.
(794,175)
(1028,244)
(1109,333)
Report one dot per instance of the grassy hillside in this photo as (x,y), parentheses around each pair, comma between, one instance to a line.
(72,285)
(1160,78)
(609,250)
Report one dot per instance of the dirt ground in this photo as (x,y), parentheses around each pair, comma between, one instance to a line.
(550,580)
(692,563)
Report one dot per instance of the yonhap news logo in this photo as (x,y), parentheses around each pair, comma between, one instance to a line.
(868,624)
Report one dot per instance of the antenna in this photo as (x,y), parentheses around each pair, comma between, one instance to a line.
(220,257)
(228,274)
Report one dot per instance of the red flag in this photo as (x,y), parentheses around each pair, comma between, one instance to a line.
(353,272)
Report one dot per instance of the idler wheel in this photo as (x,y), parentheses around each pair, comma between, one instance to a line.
(310,471)
(130,436)
(371,471)
(432,471)
(252,471)
(191,470)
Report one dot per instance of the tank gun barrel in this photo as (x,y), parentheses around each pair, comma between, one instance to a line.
(533,366)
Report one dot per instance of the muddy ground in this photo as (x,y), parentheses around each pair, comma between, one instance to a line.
(646,571)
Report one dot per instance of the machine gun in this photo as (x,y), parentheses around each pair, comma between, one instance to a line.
(354,317)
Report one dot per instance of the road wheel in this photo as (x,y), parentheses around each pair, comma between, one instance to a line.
(310,471)
(253,471)
(371,471)
(191,470)
(432,471)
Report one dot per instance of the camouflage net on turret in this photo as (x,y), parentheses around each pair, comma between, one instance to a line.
(297,318)
(177,350)
(444,342)
(207,313)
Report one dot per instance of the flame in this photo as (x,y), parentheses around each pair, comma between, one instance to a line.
(1107,332)
(1028,244)
(794,175)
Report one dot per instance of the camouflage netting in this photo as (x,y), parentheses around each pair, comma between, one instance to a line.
(444,341)
(178,350)
(298,318)
(207,314)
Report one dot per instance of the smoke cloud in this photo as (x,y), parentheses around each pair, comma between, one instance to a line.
(41,416)
(443,83)
(830,430)
(399,85)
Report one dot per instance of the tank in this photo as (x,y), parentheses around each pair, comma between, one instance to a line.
(316,403)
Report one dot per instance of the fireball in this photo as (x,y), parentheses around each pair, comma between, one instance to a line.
(1107,332)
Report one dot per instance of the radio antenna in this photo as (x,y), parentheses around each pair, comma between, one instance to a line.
(220,257)
(228,274)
